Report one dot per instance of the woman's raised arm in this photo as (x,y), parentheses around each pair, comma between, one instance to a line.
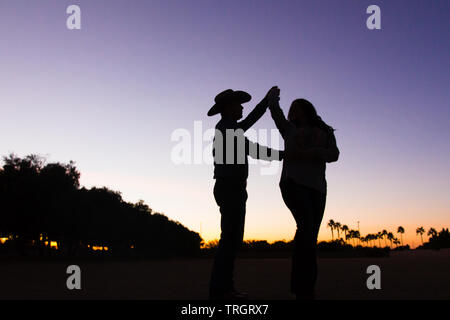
(278,116)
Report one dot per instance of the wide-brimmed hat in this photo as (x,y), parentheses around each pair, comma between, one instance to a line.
(226,97)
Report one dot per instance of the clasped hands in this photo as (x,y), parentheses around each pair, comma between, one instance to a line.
(273,96)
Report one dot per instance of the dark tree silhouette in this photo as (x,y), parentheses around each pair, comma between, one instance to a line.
(41,202)
(438,240)
(401,230)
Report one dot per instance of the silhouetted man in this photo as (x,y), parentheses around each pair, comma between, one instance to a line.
(230,151)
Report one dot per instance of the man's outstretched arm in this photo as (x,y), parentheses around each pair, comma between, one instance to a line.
(257,151)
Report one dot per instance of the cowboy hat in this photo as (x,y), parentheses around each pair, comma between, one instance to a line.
(226,97)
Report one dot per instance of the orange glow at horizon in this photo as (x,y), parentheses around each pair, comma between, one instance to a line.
(99,248)
(409,237)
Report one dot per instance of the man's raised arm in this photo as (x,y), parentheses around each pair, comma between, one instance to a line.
(258,111)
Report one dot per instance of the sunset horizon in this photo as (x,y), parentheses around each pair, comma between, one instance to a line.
(225,159)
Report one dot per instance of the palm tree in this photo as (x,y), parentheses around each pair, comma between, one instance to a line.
(369,239)
(432,232)
(337,225)
(396,242)
(357,236)
(421,231)
(390,237)
(374,238)
(383,235)
(353,234)
(379,236)
(344,228)
(363,239)
(348,235)
(401,230)
(331,224)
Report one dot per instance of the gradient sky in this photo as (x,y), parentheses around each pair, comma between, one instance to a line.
(110,95)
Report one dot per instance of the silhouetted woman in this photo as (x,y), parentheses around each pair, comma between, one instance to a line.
(309,144)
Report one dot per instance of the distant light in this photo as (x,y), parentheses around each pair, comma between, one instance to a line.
(100,248)
(54,244)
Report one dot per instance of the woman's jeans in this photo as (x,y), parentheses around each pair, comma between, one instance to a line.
(307,206)
(231,197)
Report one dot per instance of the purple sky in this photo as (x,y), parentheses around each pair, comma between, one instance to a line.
(110,95)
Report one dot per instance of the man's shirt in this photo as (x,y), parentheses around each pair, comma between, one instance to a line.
(231,147)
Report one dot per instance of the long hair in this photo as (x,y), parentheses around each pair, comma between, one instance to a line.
(310,113)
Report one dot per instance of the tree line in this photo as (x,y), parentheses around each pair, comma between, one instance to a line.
(43,207)
(387,238)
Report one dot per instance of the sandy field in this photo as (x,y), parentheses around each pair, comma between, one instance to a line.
(404,275)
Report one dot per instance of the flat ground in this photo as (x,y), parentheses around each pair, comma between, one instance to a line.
(405,275)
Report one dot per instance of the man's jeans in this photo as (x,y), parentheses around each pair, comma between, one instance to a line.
(231,197)
(307,206)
